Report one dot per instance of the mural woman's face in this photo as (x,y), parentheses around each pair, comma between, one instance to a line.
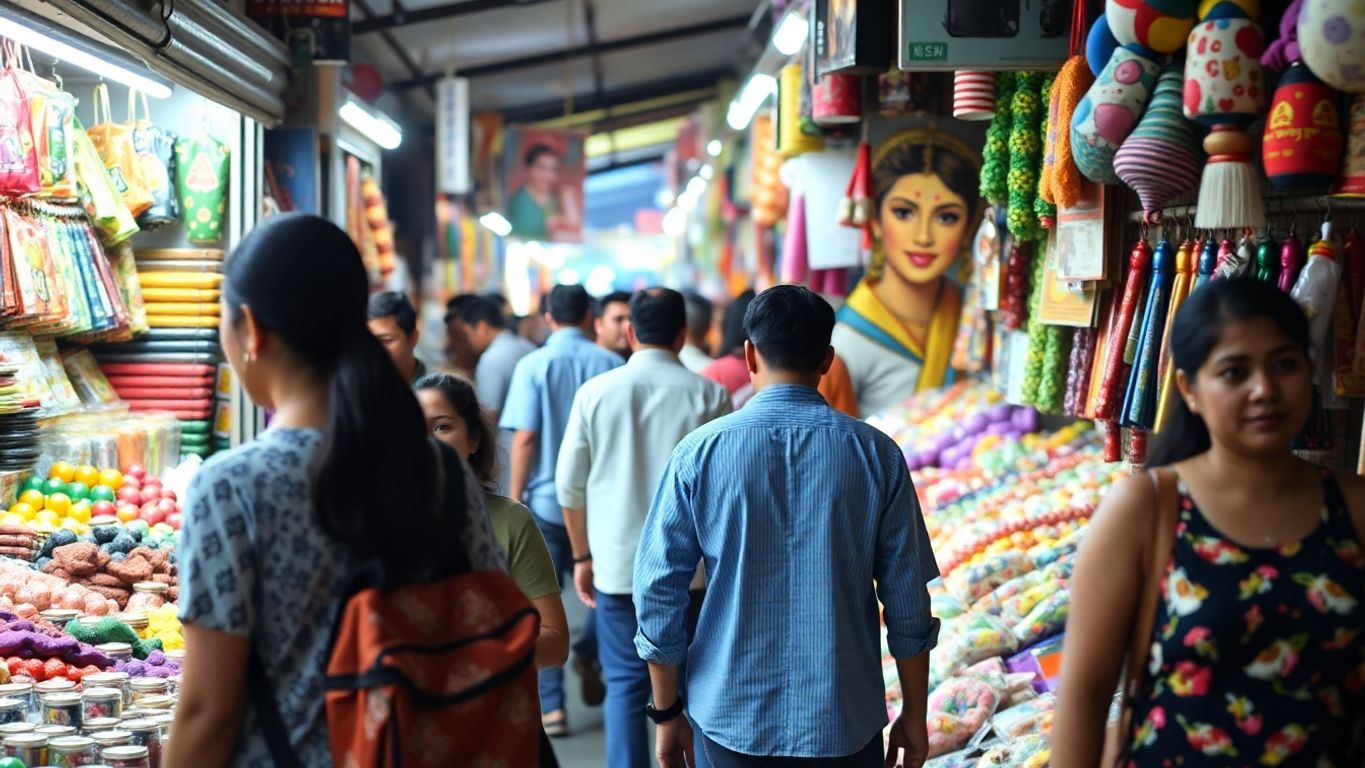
(543,174)
(921,224)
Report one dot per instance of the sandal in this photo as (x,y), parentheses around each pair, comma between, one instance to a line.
(556,724)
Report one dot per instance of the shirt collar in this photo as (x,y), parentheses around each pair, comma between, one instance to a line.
(565,335)
(653,357)
(788,394)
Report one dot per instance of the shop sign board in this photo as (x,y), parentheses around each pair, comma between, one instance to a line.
(452,137)
(853,36)
(317,31)
(947,35)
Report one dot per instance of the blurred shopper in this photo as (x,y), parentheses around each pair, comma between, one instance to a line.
(1230,577)
(505,307)
(496,351)
(696,353)
(729,369)
(345,474)
(394,322)
(806,519)
(537,409)
(612,319)
(623,427)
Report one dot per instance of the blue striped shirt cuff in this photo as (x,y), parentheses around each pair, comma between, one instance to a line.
(908,646)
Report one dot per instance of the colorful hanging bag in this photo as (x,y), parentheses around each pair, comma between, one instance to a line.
(98,192)
(53,113)
(18,155)
(155,148)
(201,182)
(114,142)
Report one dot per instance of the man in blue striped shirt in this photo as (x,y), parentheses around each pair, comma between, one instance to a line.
(805,518)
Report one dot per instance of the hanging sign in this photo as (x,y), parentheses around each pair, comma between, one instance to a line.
(317,31)
(852,36)
(452,137)
(983,34)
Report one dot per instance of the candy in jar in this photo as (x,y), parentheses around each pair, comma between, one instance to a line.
(146,733)
(72,751)
(31,748)
(24,693)
(128,756)
(13,711)
(62,709)
(102,702)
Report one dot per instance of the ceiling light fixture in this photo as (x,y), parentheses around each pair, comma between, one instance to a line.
(791,33)
(13,30)
(376,126)
(745,106)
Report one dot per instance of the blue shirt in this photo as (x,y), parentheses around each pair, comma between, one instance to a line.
(797,510)
(539,400)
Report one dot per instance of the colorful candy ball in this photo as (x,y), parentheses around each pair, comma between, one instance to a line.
(1158,25)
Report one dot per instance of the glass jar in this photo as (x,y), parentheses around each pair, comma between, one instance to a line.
(94,724)
(30,748)
(62,709)
(138,622)
(119,680)
(53,731)
(102,702)
(59,616)
(146,733)
(72,751)
(24,693)
(149,686)
(10,729)
(13,710)
(116,651)
(158,701)
(47,687)
(115,737)
(126,756)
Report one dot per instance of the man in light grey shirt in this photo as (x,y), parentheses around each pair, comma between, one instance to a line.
(621,432)
(478,326)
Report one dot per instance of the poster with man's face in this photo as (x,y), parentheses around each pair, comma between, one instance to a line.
(544,170)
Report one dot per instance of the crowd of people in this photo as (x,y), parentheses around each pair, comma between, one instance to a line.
(735,528)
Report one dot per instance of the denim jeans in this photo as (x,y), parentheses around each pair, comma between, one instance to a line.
(627,679)
(552,678)
(871,756)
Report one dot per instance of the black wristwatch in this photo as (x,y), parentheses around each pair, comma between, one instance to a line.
(661,716)
(584,559)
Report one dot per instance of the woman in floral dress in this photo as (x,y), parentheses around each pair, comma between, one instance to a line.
(1256,656)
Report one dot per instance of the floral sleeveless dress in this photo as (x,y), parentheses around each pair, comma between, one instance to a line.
(1257,657)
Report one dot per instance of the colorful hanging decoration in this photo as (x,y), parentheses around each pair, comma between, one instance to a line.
(1301,146)
(1184,282)
(792,140)
(1013,304)
(1237,260)
(1134,283)
(1109,112)
(1351,183)
(1331,36)
(1316,289)
(201,182)
(53,123)
(380,229)
(995,157)
(1284,50)
(837,100)
(1207,264)
(857,209)
(1224,91)
(795,258)
(1078,372)
(973,351)
(1291,261)
(1026,149)
(18,153)
(1099,45)
(767,195)
(1061,179)
(1158,25)
(1044,209)
(1139,408)
(1267,259)
(973,95)
(1161,158)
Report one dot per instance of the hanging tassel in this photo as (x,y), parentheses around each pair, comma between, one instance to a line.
(1236,261)
(1078,372)
(1224,253)
(1139,263)
(1184,282)
(795,257)
(1013,309)
(1291,261)
(1207,264)
(1139,409)
(1109,310)
(1267,260)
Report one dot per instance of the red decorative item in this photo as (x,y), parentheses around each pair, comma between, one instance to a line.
(1292,257)
(837,100)
(366,82)
(1014,304)
(1139,265)
(1137,447)
(973,95)
(1301,147)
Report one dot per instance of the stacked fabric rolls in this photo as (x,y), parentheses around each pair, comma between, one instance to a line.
(173,367)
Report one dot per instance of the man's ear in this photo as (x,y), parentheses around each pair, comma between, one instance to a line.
(751,357)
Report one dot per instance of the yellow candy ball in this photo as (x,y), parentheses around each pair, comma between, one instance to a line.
(34,498)
(10,518)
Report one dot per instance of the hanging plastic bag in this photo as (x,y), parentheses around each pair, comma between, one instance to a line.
(114,141)
(99,193)
(18,156)
(52,112)
(155,148)
(201,181)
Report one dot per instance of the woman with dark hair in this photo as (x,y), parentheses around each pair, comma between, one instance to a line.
(896,330)
(345,477)
(729,369)
(1231,576)
(455,418)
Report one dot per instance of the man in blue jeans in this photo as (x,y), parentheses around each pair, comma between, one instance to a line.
(537,410)
(623,427)
(806,519)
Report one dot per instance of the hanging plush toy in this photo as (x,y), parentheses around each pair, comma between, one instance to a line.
(1060,182)
(1099,45)
(1332,39)
(1157,25)
(1301,147)
(1109,112)
(1225,91)
(1161,158)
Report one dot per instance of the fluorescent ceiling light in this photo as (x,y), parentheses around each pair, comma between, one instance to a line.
(69,54)
(745,106)
(569,276)
(675,222)
(496,223)
(791,33)
(375,126)
(714,148)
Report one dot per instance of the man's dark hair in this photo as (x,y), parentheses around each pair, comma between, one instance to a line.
(700,312)
(599,307)
(472,310)
(791,326)
(498,300)
(396,305)
(658,315)
(568,304)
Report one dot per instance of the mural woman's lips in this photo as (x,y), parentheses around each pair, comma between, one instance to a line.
(921,259)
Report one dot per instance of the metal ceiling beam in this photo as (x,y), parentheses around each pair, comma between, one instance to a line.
(402,17)
(557,57)
(619,97)
(392,42)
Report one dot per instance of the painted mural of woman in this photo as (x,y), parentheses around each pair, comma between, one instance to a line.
(896,330)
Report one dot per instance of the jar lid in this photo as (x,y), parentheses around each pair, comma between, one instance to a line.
(140,725)
(115,649)
(61,699)
(178,655)
(73,743)
(123,752)
(134,619)
(112,737)
(149,684)
(9,729)
(59,615)
(55,686)
(102,693)
(8,703)
(52,729)
(93,724)
(151,587)
(110,679)
(156,701)
(9,688)
(26,740)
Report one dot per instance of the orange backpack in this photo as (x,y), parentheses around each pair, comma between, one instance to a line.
(439,673)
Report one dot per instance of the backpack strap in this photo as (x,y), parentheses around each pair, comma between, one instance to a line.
(268,713)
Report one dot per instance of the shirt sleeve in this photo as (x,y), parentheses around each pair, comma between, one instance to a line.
(521,411)
(665,565)
(575,458)
(529,556)
(217,558)
(904,566)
